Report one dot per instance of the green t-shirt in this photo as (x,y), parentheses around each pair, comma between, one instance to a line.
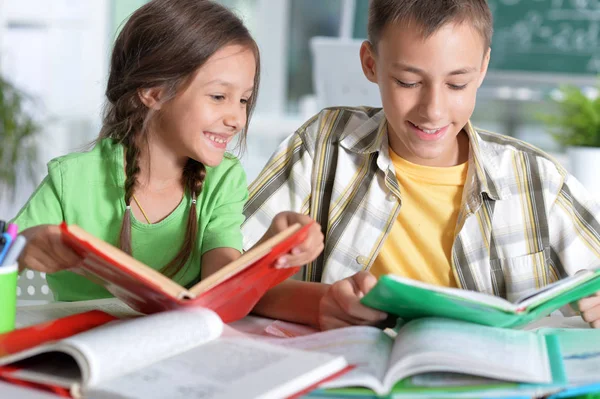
(87,189)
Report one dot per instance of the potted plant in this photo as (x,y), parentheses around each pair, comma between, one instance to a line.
(576,125)
(18,149)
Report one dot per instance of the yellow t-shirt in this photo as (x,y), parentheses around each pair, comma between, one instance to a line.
(419,245)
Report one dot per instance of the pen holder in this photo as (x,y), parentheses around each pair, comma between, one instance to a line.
(8,297)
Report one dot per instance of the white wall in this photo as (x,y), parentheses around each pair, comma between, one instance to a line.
(56,50)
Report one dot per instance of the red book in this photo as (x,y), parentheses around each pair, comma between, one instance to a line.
(28,338)
(231,292)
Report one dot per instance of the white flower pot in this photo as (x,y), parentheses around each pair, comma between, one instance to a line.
(584,164)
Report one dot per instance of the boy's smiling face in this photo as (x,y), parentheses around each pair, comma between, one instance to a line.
(428,88)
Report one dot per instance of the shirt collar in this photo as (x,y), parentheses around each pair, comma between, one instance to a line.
(487,173)
(484,171)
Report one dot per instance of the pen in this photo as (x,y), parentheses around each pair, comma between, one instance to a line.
(12,230)
(2,226)
(6,247)
(14,251)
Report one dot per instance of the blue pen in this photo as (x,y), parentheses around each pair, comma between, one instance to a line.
(14,251)
(8,241)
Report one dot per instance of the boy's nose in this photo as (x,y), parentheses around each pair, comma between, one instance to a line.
(432,105)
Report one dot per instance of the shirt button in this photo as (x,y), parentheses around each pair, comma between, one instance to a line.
(391,197)
(362,260)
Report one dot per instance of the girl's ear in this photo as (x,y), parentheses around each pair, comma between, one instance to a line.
(151,97)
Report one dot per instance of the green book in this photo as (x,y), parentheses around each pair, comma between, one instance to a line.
(411,299)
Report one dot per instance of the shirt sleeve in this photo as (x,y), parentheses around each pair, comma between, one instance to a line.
(283,185)
(45,204)
(223,228)
(574,228)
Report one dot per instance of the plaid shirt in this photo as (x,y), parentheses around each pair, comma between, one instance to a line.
(524,221)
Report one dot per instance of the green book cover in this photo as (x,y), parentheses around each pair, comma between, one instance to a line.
(412,299)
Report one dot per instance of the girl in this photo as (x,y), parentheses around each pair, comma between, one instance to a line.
(158,183)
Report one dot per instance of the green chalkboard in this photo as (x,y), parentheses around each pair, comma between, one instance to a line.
(551,36)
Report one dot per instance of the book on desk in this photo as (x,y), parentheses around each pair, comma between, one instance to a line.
(177,353)
(444,358)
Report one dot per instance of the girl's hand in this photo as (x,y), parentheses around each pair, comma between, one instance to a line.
(45,251)
(305,252)
(590,309)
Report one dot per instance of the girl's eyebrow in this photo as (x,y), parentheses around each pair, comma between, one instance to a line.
(225,83)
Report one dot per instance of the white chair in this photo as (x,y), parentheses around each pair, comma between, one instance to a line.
(32,286)
(337,74)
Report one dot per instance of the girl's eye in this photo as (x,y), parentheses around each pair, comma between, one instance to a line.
(218,97)
(457,87)
(405,84)
(244,101)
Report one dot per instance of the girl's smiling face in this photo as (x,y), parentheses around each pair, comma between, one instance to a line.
(211,109)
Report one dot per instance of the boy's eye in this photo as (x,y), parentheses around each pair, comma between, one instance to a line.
(457,87)
(406,84)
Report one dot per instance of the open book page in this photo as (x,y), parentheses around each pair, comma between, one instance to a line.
(225,368)
(366,348)
(556,321)
(580,349)
(474,296)
(35,314)
(248,258)
(551,290)
(436,345)
(118,348)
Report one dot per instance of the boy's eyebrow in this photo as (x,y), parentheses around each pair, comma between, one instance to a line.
(463,71)
(412,69)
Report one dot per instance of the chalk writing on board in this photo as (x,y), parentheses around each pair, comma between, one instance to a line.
(560,34)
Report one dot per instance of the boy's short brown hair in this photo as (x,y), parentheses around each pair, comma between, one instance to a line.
(428,16)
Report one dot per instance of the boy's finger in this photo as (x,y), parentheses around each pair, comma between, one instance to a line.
(588,303)
(365,281)
(348,299)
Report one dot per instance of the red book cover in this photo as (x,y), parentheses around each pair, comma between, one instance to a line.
(231,292)
(29,337)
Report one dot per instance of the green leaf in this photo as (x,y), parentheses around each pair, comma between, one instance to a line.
(17,138)
(577,120)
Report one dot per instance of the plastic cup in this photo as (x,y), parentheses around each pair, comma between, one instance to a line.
(8,297)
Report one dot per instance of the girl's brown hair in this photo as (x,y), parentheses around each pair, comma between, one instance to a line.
(162,44)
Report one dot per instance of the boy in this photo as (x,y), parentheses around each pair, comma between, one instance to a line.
(413,189)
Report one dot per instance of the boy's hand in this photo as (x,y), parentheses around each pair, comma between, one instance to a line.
(590,309)
(305,252)
(45,251)
(341,307)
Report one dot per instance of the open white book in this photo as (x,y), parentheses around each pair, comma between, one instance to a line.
(425,350)
(174,354)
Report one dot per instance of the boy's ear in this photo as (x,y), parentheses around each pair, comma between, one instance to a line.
(367,60)
(484,66)
(151,97)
